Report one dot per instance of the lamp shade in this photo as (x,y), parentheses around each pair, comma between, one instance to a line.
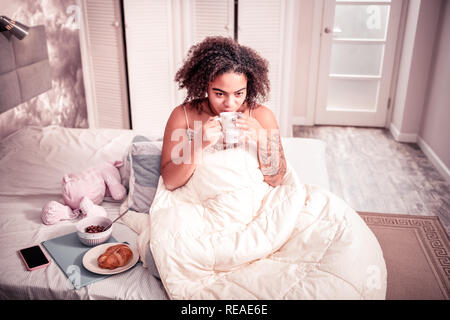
(16,28)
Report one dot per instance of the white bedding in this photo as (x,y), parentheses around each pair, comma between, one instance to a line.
(32,163)
(21,227)
(226,234)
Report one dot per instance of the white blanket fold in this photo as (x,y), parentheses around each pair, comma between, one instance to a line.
(227,234)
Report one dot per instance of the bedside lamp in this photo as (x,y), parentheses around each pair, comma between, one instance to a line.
(17,29)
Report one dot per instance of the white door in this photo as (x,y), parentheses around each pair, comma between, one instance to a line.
(148,47)
(358,43)
(260,28)
(159,34)
(102,51)
(270,28)
(212,18)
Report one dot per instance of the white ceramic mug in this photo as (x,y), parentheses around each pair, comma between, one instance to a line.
(230,132)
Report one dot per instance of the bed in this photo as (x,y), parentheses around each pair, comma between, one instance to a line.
(33,161)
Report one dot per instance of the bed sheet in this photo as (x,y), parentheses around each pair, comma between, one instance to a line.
(21,227)
(33,161)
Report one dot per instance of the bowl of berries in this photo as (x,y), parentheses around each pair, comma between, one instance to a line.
(91,230)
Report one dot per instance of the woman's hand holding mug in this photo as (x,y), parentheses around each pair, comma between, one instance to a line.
(231,126)
(250,126)
(211,131)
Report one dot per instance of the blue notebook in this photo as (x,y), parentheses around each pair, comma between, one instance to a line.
(67,251)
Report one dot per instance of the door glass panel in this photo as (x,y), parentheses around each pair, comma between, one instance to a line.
(352,94)
(358,41)
(356,59)
(361,21)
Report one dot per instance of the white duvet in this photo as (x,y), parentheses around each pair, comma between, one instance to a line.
(227,234)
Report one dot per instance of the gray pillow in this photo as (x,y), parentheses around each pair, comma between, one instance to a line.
(143,164)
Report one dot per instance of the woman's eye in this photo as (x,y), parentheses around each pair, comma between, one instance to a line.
(239,94)
(219,94)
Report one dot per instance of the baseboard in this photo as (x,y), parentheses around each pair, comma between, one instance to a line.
(426,149)
(435,160)
(402,137)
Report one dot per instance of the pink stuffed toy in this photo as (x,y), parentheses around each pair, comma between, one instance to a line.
(93,184)
(83,192)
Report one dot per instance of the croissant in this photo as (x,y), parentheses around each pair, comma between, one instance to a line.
(115,256)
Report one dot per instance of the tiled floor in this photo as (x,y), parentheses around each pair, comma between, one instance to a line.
(373,172)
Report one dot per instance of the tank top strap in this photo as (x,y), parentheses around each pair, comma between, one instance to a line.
(186,116)
(189,131)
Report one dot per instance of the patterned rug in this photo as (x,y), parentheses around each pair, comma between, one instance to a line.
(417,254)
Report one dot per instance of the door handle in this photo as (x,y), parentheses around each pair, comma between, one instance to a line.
(334,30)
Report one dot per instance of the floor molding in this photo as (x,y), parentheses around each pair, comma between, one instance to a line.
(427,150)
(402,137)
(434,158)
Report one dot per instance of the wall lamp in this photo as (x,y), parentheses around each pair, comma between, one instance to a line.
(16,28)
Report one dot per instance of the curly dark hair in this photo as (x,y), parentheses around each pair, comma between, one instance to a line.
(215,56)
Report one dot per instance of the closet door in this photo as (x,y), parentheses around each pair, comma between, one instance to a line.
(260,28)
(193,21)
(268,27)
(149,58)
(213,18)
(159,34)
(101,43)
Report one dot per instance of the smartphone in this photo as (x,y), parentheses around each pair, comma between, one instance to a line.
(34,258)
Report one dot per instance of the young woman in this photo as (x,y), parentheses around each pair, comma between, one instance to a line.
(220,75)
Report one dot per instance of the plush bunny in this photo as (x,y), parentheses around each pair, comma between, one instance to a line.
(93,184)
(84,191)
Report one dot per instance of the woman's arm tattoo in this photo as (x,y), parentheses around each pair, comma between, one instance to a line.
(271,156)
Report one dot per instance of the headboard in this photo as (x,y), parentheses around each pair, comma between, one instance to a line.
(24,67)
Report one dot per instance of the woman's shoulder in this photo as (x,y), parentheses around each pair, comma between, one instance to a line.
(184,111)
(183,108)
(177,118)
(177,112)
(264,115)
(191,107)
(260,111)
